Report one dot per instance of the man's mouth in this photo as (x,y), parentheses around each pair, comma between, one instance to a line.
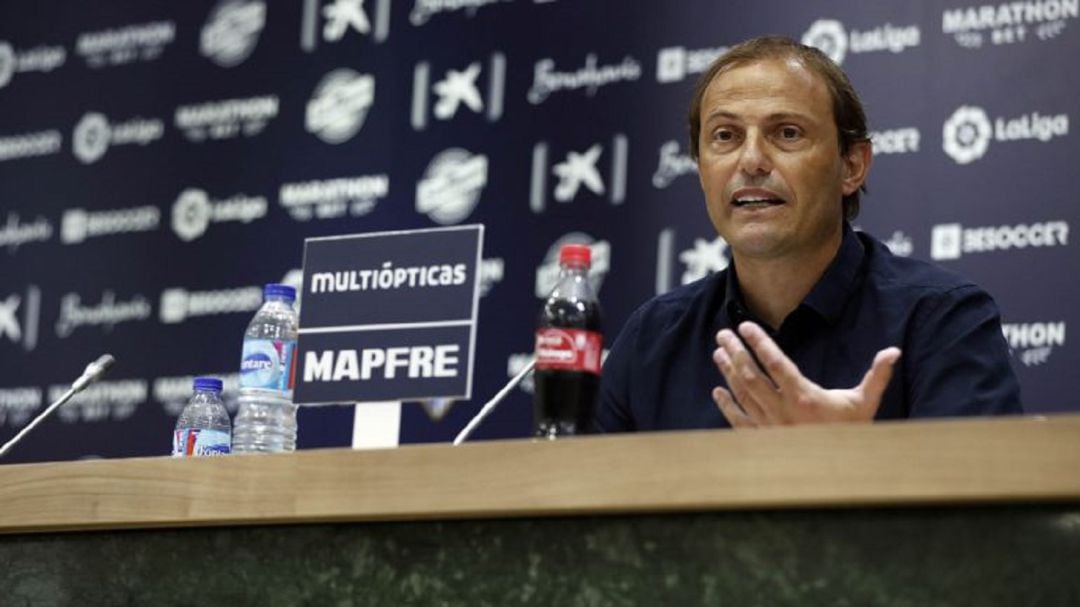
(755,198)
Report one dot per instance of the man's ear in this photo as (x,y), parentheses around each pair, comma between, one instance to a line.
(857,161)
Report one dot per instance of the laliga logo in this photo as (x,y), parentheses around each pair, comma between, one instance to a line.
(191,214)
(967,134)
(232,31)
(7,63)
(91,138)
(829,37)
(340,104)
(451,186)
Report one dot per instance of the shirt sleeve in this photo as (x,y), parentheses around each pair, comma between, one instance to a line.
(958,360)
(613,413)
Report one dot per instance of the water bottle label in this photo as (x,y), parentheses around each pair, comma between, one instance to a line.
(267,364)
(195,442)
(568,350)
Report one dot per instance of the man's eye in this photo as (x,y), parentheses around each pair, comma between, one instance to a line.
(789,132)
(723,135)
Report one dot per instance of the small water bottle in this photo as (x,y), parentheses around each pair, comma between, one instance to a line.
(266,419)
(203,427)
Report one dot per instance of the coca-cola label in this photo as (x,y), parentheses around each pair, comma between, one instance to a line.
(568,350)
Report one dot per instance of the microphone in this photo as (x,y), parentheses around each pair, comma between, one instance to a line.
(92,373)
(490,405)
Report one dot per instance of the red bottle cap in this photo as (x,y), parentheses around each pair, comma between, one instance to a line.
(575,255)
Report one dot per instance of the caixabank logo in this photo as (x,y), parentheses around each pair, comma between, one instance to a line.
(952,240)
(43,59)
(20,316)
(968,132)
(337,21)
(231,31)
(339,105)
(458,91)
(973,27)
(691,260)
(577,172)
(95,134)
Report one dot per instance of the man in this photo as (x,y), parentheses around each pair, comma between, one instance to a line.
(811,322)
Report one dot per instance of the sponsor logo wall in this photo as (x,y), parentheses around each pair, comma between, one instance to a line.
(186,151)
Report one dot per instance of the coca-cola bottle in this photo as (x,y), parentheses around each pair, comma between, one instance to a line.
(568,348)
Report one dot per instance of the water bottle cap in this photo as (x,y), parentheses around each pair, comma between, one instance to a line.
(212,384)
(279,290)
(575,255)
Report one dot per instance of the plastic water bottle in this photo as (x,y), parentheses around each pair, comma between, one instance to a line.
(203,427)
(569,346)
(266,419)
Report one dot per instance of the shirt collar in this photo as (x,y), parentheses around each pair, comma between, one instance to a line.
(828,296)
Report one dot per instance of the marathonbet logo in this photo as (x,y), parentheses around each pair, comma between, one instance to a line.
(332,198)
(126,44)
(1033,342)
(832,38)
(232,31)
(226,119)
(477,88)
(331,21)
(950,241)
(967,134)
(451,186)
(579,170)
(1009,22)
(339,105)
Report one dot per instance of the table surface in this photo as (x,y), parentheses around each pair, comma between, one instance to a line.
(971,461)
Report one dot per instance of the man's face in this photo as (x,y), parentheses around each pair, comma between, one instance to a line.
(770,163)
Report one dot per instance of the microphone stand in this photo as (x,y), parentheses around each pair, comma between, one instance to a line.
(93,371)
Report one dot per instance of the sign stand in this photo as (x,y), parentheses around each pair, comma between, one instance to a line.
(376,425)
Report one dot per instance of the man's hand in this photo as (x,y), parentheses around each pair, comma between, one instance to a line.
(789,397)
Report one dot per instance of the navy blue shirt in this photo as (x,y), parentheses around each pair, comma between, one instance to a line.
(660,373)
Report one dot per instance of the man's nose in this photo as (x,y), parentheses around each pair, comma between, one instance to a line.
(754,158)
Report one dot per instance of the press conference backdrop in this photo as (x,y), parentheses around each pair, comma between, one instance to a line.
(161,160)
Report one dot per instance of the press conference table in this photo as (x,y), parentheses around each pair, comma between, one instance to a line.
(910,513)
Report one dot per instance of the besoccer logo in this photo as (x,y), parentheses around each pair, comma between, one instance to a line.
(340,104)
(90,140)
(232,31)
(967,134)
(829,37)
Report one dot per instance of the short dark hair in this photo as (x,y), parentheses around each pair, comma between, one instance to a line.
(847,108)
